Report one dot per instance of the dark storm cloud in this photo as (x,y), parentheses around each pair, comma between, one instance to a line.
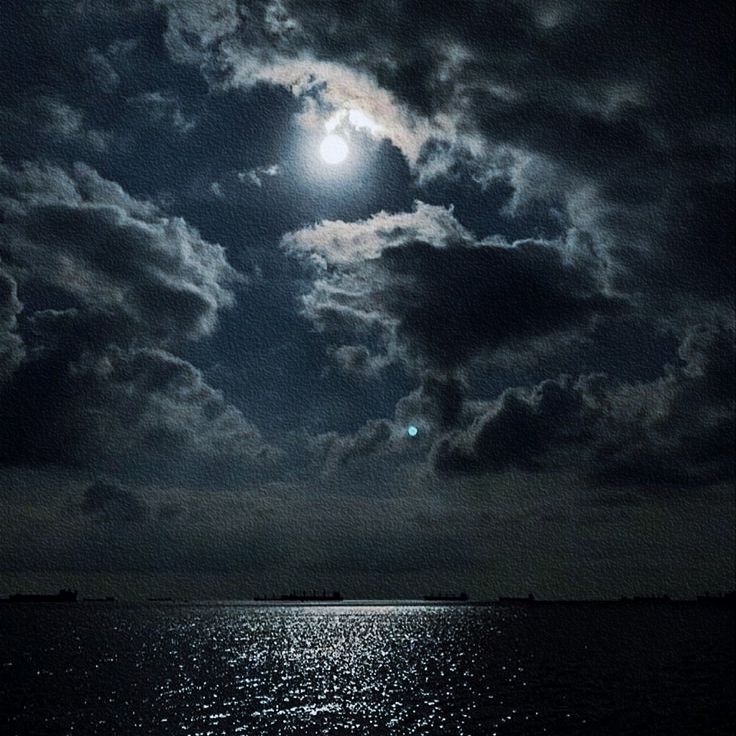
(677,430)
(440,296)
(334,451)
(520,428)
(358,359)
(118,408)
(674,431)
(435,407)
(121,284)
(11,344)
(85,236)
(438,401)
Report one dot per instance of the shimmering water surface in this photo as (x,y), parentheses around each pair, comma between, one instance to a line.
(116,669)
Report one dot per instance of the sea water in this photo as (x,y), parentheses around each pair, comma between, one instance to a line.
(365,669)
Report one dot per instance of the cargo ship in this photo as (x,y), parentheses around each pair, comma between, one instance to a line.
(509,600)
(63,596)
(303,596)
(446,597)
(646,599)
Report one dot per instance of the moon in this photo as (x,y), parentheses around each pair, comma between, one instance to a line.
(412,431)
(333,149)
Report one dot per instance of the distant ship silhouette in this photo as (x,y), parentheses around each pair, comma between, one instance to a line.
(303,596)
(63,596)
(446,597)
(517,600)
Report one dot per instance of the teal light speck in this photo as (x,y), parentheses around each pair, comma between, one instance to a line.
(412,430)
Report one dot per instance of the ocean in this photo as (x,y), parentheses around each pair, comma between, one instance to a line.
(395,669)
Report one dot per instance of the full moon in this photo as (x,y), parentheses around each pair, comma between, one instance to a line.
(412,431)
(333,149)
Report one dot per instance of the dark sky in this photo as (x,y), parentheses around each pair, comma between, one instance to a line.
(491,350)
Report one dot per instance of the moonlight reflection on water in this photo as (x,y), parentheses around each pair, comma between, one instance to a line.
(364,670)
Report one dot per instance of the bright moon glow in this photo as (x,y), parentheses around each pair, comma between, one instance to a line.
(355,117)
(333,149)
(359,120)
(412,430)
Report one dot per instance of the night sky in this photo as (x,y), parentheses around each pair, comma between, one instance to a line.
(491,349)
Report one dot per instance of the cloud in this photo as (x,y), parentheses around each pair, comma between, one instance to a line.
(434,408)
(521,429)
(113,504)
(163,107)
(11,344)
(336,242)
(676,430)
(557,111)
(127,411)
(566,103)
(596,137)
(438,404)
(54,121)
(359,360)
(255,176)
(440,298)
(102,71)
(121,285)
(86,238)
(264,42)
(441,69)
(334,451)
